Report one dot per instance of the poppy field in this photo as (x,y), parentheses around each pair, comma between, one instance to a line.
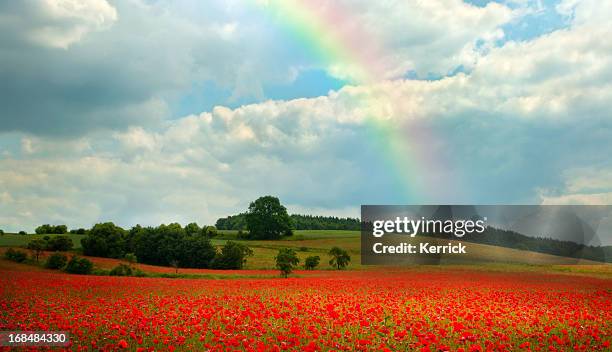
(399,309)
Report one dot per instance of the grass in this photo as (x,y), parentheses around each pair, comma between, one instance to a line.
(15,240)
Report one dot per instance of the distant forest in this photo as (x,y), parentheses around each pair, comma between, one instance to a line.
(300,222)
(511,239)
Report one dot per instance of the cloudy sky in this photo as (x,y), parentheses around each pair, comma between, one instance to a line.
(157,111)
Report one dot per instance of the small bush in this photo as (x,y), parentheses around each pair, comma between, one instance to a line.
(303,249)
(78,265)
(1,233)
(23,233)
(56,261)
(311,262)
(126,270)
(16,256)
(121,270)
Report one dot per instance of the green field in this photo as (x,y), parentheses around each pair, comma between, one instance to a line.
(316,242)
(15,240)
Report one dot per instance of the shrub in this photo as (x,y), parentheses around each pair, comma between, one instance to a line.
(121,270)
(56,261)
(23,233)
(15,255)
(311,262)
(303,249)
(78,265)
(1,233)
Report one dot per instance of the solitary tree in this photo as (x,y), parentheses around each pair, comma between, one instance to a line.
(286,261)
(267,219)
(311,262)
(339,258)
(37,246)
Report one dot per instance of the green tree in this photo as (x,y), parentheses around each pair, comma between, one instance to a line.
(339,257)
(233,255)
(51,229)
(192,229)
(286,261)
(59,243)
(104,240)
(43,229)
(197,252)
(267,219)
(209,231)
(311,262)
(37,246)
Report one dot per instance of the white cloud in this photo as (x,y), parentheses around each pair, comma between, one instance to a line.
(587,185)
(125,64)
(579,198)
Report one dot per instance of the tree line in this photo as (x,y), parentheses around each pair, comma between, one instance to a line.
(167,245)
(298,222)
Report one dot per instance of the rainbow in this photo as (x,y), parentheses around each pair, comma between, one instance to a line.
(333,37)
